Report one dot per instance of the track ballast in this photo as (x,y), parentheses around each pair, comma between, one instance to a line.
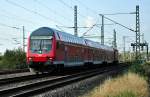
(57,82)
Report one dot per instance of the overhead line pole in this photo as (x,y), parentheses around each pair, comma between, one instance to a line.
(23,38)
(124,48)
(147,53)
(114,42)
(102,30)
(137,33)
(137,43)
(75,21)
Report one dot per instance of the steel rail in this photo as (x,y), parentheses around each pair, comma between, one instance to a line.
(2,72)
(21,78)
(43,86)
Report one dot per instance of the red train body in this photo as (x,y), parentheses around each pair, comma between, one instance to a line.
(52,49)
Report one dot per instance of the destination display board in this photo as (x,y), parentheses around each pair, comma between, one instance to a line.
(41,37)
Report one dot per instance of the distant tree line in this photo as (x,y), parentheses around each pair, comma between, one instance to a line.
(130,56)
(13,59)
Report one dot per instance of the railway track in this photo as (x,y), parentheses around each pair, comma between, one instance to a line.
(35,88)
(6,81)
(2,72)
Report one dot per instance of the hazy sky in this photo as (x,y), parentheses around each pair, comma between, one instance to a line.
(33,14)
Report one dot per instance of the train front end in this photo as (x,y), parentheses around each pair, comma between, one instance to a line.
(41,50)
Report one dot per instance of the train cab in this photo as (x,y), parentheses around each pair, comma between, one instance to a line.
(41,47)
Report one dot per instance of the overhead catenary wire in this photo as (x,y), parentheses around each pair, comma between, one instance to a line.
(70,7)
(13,27)
(66,4)
(88,30)
(10,40)
(72,27)
(94,25)
(53,11)
(33,12)
(87,8)
(93,11)
(10,26)
(5,25)
(120,13)
(59,28)
(117,23)
(18,19)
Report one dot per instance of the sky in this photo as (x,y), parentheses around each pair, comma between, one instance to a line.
(59,14)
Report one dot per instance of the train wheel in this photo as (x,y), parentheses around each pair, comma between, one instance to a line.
(60,67)
(33,71)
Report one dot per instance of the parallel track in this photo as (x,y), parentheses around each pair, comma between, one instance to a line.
(2,72)
(21,78)
(50,84)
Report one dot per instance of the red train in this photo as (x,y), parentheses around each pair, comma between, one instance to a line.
(50,49)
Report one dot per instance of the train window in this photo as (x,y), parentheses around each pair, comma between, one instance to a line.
(77,41)
(74,40)
(40,45)
(58,36)
(70,40)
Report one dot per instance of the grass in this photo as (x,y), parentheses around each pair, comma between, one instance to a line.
(128,85)
(126,94)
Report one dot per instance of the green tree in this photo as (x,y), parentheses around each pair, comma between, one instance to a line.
(14,59)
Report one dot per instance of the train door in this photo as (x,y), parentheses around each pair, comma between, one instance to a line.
(65,54)
(115,55)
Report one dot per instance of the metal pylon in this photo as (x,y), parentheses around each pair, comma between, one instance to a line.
(137,33)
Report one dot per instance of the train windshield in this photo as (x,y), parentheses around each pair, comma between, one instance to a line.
(40,44)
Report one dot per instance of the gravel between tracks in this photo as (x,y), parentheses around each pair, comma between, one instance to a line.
(76,89)
(26,82)
(15,75)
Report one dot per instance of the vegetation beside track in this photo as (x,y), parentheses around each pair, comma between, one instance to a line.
(133,83)
(13,59)
(128,85)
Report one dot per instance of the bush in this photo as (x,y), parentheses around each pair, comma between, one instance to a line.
(1,57)
(13,59)
(141,69)
(138,69)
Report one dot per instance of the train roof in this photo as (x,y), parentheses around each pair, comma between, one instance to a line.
(43,31)
(63,36)
(98,45)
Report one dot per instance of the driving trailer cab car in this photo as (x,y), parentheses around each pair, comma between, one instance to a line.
(49,49)
(41,47)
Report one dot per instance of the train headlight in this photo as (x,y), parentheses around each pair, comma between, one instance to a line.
(51,59)
(30,59)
